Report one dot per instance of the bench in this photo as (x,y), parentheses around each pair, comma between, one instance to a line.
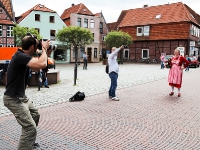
(53,76)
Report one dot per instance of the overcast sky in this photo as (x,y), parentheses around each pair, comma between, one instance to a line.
(111,8)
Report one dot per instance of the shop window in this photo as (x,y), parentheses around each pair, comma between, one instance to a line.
(95,52)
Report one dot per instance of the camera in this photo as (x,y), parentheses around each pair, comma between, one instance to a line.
(125,46)
(52,47)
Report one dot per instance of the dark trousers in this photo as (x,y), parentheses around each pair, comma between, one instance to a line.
(85,64)
(27,116)
(113,77)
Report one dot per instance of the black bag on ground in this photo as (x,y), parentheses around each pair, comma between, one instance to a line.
(79,96)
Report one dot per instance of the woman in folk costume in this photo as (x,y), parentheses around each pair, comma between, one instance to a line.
(178,63)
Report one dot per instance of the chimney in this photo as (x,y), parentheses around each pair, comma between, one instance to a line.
(145,6)
(72,4)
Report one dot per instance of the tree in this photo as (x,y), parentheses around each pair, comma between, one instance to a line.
(76,37)
(118,38)
(20,32)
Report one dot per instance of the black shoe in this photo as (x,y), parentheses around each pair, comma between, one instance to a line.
(36,145)
(46,86)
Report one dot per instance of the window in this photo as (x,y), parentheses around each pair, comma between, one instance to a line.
(145,53)
(92,23)
(146,30)
(126,53)
(10,46)
(95,52)
(37,17)
(101,27)
(93,36)
(104,38)
(85,23)
(9,31)
(52,35)
(79,22)
(38,30)
(139,31)
(82,52)
(1,10)
(143,31)
(51,19)
(1,30)
(1,45)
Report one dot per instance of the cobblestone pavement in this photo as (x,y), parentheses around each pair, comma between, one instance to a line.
(145,118)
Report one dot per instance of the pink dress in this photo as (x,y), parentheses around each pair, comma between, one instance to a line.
(175,73)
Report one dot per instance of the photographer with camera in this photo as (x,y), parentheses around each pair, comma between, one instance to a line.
(14,97)
(113,71)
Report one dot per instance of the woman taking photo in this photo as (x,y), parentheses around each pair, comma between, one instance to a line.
(178,63)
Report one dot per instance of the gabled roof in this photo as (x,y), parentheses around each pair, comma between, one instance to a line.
(115,25)
(8,6)
(77,9)
(38,7)
(168,13)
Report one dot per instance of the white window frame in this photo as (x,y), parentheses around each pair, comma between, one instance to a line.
(85,23)
(139,33)
(1,30)
(143,53)
(10,31)
(146,30)
(95,52)
(79,20)
(104,38)
(92,23)
(125,53)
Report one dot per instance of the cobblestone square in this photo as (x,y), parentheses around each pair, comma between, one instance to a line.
(145,118)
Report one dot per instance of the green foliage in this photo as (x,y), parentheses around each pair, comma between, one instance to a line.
(118,38)
(20,32)
(76,36)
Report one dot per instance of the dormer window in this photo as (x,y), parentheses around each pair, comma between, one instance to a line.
(143,31)
(1,10)
(37,17)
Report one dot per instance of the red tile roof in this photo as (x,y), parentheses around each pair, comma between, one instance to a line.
(115,25)
(8,6)
(38,7)
(77,9)
(7,22)
(175,12)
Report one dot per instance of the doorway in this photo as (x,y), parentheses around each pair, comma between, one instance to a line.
(89,53)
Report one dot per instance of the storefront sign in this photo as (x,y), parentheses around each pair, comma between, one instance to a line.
(192,43)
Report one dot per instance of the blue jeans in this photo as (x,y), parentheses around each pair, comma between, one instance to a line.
(162,65)
(113,76)
(45,81)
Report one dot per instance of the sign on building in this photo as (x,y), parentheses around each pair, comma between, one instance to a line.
(182,50)
(192,43)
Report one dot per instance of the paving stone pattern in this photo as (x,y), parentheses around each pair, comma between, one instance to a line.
(145,118)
